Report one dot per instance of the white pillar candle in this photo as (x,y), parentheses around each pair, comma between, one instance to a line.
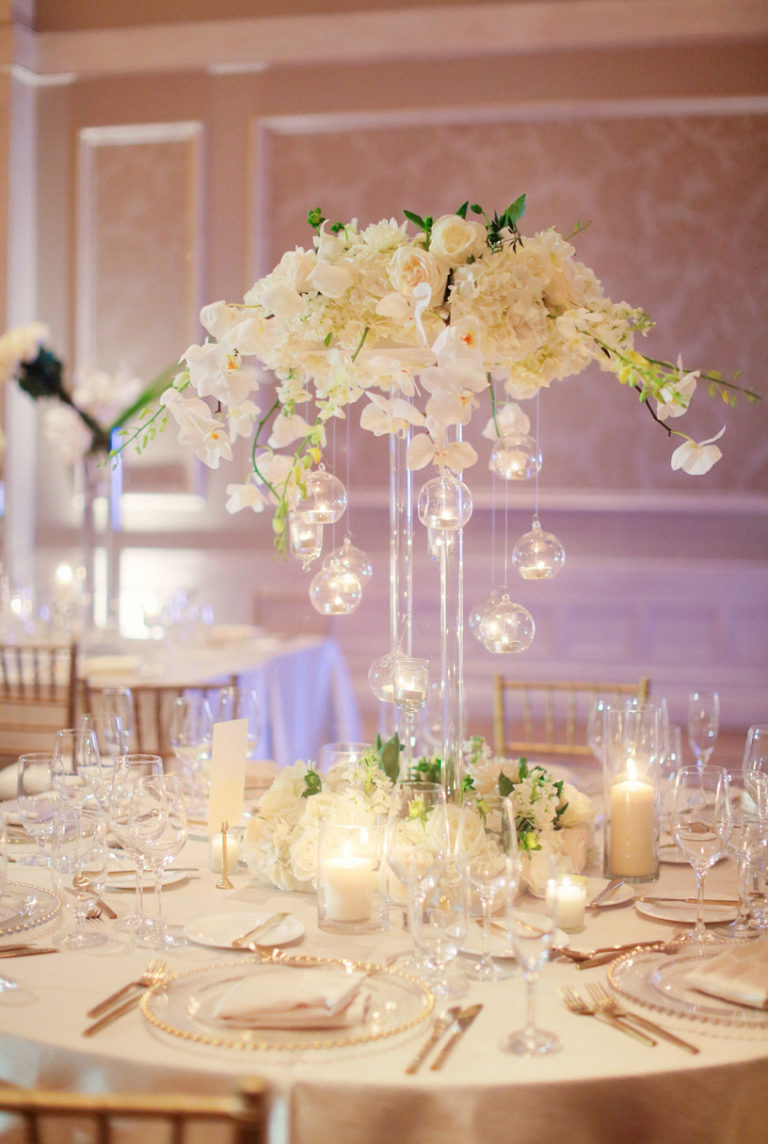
(570,899)
(632,829)
(348,883)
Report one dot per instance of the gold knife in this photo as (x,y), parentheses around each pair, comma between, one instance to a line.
(464,1020)
(605,893)
(113,1015)
(250,936)
(441,1025)
(690,901)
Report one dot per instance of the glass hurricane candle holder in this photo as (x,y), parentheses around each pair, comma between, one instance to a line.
(324,500)
(306,539)
(632,793)
(351,886)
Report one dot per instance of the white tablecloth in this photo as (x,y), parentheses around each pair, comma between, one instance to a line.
(600,1089)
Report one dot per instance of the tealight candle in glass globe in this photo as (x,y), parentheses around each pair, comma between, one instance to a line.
(380,678)
(538,555)
(335,591)
(353,559)
(507,627)
(306,539)
(515,458)
(325,499)
(445,502)
(440,540)
(480,609)
(410,677)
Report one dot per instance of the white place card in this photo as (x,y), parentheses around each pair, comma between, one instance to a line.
(230,746)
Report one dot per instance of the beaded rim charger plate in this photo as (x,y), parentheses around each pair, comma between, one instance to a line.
(658,981)
(23,906)
(398,1003)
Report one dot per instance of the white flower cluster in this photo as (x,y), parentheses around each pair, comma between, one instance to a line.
(20,345)
(102,395)
(418,325)
(280,846)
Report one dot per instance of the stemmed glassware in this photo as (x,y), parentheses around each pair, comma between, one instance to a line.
(80,844)
(240,703)
(118,703)
(76,769)
(702,821)
(703,723)
(748,844)
(37,801)
(129,769)
(532,945)
(158,831)
(191,734)
(440,927)
(755,752)
(417,844)
(486,853)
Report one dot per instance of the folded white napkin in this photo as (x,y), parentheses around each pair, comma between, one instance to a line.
(740,974)
(297,999)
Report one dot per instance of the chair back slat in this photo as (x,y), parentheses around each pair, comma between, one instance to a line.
(38,695)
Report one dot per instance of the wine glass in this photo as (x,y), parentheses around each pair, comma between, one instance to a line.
(532,945)
(119,703)
(703,723)
(129,769)
(111,741)
(702,821)
(670,761)
(159,832)
(417,841)
(440,927)
(76,769)
(191,734)
(240,703)
(486,851)
(80,847)
(36,802)
(756,751)
(747,843)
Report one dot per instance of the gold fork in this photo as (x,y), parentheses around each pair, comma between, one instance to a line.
(152,974)
(608,1004)
(576,1004)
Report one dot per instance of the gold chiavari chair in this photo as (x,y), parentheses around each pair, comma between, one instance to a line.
(549,717)
(37,1116)
(38,696)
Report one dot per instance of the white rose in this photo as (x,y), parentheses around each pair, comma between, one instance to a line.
(457,239)
(412,265)
(575,846)
(303,855)
(579,808)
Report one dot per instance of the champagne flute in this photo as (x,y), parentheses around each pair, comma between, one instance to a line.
(703,723)
(532,945)
(702,822)
(486,852)
(159,832)
(129,769)
(417,843)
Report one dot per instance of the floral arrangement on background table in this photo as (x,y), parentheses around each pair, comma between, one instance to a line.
(280,846)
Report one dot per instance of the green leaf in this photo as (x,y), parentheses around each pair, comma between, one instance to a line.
(462,211)
(389,756)
(523,767)
(506,786)
(315,218)
(417,220)
(313,784)
(515,211)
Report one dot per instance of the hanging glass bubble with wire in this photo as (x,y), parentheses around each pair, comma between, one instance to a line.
(444,503)
(324,499)
(381,677)
(335,591)
(481,607)
(507,627)
(353,559)
(515,457)
(538,555)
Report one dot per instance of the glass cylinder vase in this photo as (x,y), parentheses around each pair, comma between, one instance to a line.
(351,886)
(632,793)
(102,480)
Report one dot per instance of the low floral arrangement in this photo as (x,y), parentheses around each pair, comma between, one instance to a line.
(280,846)
(425,327)
(81,421)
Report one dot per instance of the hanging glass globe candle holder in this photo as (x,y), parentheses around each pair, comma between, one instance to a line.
(325,498)
(353,559)
(538,555)
(335,591)
(381,679)
(444,503)
(507,627)
(515,458)
(306,539)
(481,608)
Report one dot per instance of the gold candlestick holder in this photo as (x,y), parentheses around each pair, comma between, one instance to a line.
(224,882)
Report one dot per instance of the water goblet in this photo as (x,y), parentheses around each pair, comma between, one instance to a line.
(129,769)
(486,852)
(532,945)
(440,927)
(159,832)
(119,703)
(81,848)
(756,751)
(702,821)
(240,703)
(417,840)
(703,723)
(191,735)
(76,770)
(36,802)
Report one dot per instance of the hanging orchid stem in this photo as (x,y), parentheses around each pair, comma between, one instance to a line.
(492,396)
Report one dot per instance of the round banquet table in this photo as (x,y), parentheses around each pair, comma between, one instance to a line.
(600,1086)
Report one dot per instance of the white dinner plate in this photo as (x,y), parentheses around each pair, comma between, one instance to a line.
(500,945)
(619,897)
(685,912)
(126,880)
(220,930)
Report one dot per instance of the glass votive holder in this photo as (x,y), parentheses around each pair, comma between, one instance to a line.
(351,883)
(632,794)
(333,754)
(566,901)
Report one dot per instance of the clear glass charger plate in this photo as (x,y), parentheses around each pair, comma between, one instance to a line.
(659,981)
(23,906)
(398,1003)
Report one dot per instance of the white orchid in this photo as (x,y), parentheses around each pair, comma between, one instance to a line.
(425,449)
(198,428)
(245,496)
(286,429)
(511,422)
(697,457)
(240,419)
(673,399)
(216,370)
(382,416)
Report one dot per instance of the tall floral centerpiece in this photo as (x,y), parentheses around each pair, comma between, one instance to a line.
(81,426)
(422,322)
